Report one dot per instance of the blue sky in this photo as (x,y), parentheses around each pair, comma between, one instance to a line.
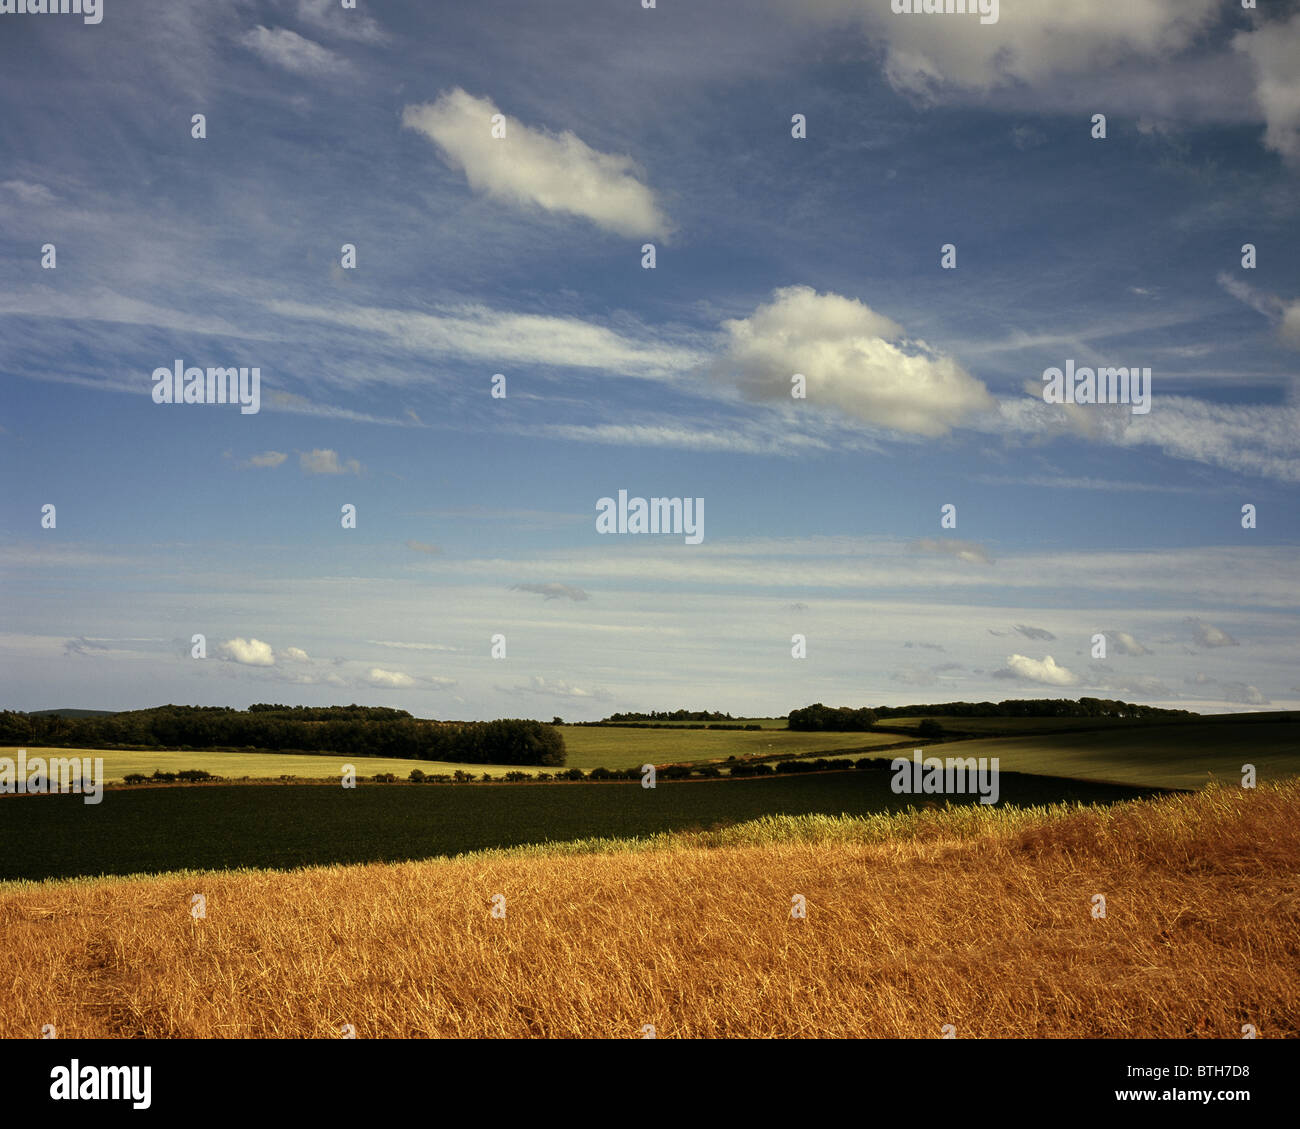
(522,256)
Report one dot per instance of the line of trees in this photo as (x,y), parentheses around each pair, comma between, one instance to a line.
(845,719)
(669,715)
(1034,707)
(360,731)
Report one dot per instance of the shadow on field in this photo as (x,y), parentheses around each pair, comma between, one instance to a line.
(227,826)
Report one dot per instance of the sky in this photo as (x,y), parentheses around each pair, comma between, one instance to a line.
(915,213)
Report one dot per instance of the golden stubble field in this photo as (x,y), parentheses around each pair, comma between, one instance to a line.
(983,921)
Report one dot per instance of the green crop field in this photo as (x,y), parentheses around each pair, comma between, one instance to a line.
(1168,756)
(152,830)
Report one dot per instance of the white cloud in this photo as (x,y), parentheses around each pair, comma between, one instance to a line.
(324,461)
(1207,635)
(530,167)
(1256,439)
(329,16)
(854,359)
(29,195)
(1033,42)
(503,337)
(284,48)
(1285,315)
(249,652)
(389,679)
(1273,49)
(556,688)
(1122,643)
(1032,670)
(295,654)
(266,459)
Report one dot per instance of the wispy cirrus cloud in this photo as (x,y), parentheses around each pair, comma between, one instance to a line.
(295,53)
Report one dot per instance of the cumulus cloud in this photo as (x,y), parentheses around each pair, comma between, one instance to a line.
(265,459)
(1033,670)
(295,655)
(968,551)
(324,461)
(248,652)
(289,50)
(553,591)
(1033,42)
(532,168)
(1122,643)
(389,679)
(854,359)
(1207,635)
(1273,49)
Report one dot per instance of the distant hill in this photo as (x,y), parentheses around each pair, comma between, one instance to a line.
(71,713)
